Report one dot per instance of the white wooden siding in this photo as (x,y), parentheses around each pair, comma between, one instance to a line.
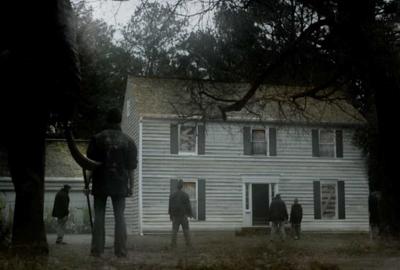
(224,164)
(130,126)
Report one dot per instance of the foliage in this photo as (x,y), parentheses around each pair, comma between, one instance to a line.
(151,38)
(104,67)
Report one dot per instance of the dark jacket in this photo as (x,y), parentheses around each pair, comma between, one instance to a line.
(61,204)
(118,154)
(373,207)
(277,210)
(179,205)
(296,214)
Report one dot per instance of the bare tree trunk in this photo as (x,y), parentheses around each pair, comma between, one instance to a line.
(26,156)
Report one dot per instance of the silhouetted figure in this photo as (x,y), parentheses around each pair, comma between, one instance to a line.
(118,154)
(39,77)
(278,216)
(179,211)
(374,213)
(61,212)
(296,215)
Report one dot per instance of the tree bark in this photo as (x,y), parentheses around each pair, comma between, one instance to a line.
(26,156)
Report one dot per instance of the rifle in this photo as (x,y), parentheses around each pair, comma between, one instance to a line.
(84,162)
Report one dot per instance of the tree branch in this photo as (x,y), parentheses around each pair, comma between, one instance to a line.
(238,105)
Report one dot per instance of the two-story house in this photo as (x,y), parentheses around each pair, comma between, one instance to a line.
(233,168)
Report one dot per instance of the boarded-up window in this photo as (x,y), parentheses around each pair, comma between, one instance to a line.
(187,139)
(191,189)
(259,142)
(328,200)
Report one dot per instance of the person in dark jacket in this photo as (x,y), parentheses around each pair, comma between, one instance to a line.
(296,215)
(61,212)
(278,216)
(114,177)
(374,213)
(179,210)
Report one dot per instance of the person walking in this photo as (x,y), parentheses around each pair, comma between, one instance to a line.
(61,212)
(179,211)
(296,215)
(278,216)
(117,154)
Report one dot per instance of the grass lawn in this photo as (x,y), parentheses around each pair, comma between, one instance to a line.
(213,251)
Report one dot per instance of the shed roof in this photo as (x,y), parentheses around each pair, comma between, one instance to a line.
(165,97)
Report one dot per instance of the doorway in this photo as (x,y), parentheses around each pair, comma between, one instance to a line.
(260,204)
(257,198)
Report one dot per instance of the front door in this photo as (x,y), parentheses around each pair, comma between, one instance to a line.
(260,204)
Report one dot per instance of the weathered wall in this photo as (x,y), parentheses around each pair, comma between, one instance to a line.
(224,166)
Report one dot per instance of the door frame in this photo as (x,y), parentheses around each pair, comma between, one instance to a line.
(249,180)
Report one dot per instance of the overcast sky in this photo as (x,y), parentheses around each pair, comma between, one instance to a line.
(116,13)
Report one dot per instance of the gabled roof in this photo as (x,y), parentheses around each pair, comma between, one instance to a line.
(164,97)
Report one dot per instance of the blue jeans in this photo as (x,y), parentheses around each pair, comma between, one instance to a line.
(98,234)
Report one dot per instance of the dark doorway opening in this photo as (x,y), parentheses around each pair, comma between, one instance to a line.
(260,195)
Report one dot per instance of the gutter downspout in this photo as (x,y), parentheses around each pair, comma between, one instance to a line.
(140,176)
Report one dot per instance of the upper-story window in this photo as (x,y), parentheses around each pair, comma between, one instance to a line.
(259,141)
(327,143)
(187,139)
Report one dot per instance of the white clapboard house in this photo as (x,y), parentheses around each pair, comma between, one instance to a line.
(233,168)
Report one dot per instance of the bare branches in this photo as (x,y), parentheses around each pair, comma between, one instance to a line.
(290,49)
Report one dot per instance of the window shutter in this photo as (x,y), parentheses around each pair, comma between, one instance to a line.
(339,143)
(272,141)
(201,139)
(317,200)
(174,139)
(315,143)
(201,199)
(341,201)
(173,186)
(247,141)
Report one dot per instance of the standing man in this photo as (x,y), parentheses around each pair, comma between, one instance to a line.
(296,215)
(118,154)
(278,216)
(374,213)
(179,210)
(61,212)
